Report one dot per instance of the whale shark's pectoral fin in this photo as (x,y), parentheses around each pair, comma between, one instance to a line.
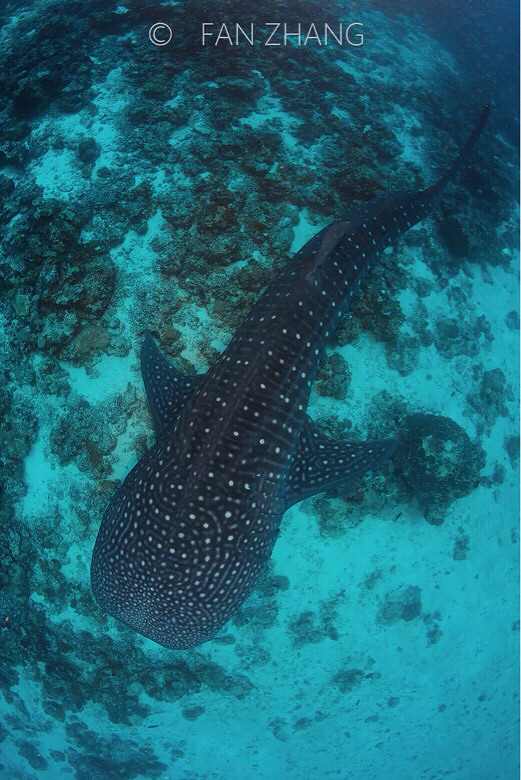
(320,462)
(167,388)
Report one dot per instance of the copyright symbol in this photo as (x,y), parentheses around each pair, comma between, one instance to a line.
(160,34)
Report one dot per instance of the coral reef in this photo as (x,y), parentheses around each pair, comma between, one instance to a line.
(489,398)
(334,377)
(438,462)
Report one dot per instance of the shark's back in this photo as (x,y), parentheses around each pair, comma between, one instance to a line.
(184,539)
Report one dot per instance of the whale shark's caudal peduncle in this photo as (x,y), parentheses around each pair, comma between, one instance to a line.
(186,536)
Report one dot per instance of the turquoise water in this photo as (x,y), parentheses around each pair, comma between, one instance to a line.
(150,188)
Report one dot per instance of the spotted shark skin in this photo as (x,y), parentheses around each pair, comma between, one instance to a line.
(186,536)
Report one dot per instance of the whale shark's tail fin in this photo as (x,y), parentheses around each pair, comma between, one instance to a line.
(462,156)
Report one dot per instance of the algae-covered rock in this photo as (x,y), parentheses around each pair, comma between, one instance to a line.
(90,341)
(18,429)
(88,151)
(334,377)
(490,396)
(453,337)
(81,435)
(22,304)
(401,604)
(438,462)
(348,679)
(512,447)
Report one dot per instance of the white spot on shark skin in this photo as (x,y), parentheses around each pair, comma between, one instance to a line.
(242,450)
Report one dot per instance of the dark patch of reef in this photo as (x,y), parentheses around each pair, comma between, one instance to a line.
(231,202)
(438,462)
(401,604)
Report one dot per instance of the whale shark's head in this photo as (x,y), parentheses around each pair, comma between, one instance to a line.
(176,571)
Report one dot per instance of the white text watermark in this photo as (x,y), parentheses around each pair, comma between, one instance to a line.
(270,34)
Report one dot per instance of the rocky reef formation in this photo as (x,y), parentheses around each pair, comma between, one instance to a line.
(438,461)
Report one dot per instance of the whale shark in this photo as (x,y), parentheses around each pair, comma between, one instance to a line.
(189,531)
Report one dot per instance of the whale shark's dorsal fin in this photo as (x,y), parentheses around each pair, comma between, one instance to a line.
(320,462)
(167,388)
